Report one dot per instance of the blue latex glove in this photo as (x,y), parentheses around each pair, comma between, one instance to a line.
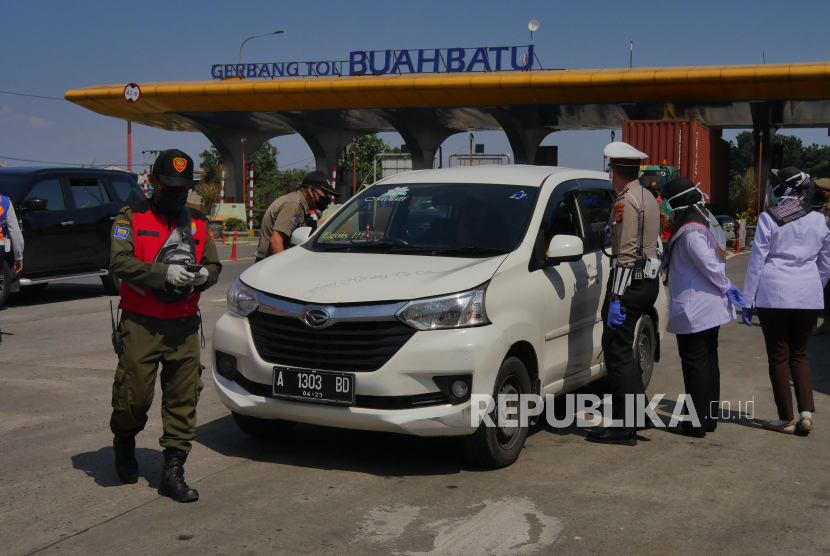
(746,315)
(605,239)
(615,315)
(735,296)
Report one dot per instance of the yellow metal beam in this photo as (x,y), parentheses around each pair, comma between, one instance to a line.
(160,102)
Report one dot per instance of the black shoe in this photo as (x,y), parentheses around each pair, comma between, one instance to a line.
(613,436)
(172,478)
(126,466)
(686,429)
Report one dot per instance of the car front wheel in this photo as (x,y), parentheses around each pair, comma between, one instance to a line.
(500,446)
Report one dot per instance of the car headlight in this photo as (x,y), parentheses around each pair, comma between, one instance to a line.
(242,299)
(459,310)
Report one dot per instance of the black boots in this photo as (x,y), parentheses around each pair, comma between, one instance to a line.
(126,465)
(172,478)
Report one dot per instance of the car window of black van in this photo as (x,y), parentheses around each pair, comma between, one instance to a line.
(88,192)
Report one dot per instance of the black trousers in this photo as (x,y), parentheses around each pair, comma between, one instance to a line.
(618,345)
(826,311)
(701,374)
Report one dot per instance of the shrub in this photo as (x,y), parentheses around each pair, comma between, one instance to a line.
(235,224)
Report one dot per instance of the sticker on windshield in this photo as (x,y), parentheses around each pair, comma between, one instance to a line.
(394,194)
(121,232)
(519,195)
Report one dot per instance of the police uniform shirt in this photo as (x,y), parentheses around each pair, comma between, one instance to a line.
(632,205)
(285,215)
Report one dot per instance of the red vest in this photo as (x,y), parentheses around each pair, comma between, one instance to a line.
(150,230)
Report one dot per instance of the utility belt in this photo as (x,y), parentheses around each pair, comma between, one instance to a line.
(622,277)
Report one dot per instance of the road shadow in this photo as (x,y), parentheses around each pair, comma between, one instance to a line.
(317,447)
(32,297)
(99,465)
(818,353)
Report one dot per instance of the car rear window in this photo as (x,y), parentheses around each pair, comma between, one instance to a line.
(12,186)
(126,190)
(88,192)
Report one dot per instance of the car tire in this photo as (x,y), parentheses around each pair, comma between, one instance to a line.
(112,283)
(263,428)
(5,283)
(498,447)
(645,346)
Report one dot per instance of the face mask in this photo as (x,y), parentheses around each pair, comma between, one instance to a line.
(322,202)
(703,198)
(667,209)
(172,201)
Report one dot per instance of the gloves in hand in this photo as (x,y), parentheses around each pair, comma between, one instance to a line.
(178,276)
(200,277)
(746,315)
(615,315)
(735,296)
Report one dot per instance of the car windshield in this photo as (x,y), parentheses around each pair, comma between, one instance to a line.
(654,178)
(12,186)
(456,220)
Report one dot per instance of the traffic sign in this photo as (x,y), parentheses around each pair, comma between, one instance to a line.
(132,93)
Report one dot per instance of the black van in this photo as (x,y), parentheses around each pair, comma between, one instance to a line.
(66,217)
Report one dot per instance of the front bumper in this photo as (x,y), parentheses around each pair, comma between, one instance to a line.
(471,351)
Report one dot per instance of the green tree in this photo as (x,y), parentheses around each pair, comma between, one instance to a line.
(367,147)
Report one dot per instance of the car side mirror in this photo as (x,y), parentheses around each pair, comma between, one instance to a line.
(564,249)
(34,204)
(300,235)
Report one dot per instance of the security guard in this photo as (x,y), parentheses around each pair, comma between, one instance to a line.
(823,191)
(632,289)
(165,256)
(291,211)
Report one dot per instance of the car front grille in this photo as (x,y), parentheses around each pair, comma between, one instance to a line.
(349,346)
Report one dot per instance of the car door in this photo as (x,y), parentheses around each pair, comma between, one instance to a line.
(47,232)
(91,222)
(597,198)
(567,340)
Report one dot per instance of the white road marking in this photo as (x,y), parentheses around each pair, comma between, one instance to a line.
(510,526)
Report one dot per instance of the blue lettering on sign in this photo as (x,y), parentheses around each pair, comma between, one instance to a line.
(454,60)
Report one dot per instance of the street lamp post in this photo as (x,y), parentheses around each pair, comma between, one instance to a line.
(254,37)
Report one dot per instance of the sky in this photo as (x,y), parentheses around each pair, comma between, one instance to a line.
(51,47)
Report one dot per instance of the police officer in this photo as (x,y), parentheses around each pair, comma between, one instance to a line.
(632,288)
(823,191)
(9,228)
(291,211)
(165,256)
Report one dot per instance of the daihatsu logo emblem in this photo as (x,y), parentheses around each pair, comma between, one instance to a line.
(316,318)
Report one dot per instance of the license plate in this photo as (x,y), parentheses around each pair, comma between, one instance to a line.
(314,386)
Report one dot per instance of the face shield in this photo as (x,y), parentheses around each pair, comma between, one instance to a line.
(782,185)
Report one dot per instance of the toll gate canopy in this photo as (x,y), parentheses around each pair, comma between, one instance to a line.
(328,112)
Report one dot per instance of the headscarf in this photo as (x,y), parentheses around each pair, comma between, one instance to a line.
(685,199)
(789,192)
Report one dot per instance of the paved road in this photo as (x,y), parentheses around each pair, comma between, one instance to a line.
(327,491)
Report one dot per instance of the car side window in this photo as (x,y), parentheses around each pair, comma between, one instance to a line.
(599,203)
(88,192)
(126,191)
(51,191)
(562,216)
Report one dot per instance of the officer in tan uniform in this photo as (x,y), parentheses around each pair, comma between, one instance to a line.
(291,211)
(633,230)
(823,192)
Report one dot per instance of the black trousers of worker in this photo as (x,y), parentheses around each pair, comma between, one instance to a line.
(826,312)
(618,345)
(701,374)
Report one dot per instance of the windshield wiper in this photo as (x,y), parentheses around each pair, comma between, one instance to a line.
(384,246)
(470,250)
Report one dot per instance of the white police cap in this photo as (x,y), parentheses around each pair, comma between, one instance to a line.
(619,149)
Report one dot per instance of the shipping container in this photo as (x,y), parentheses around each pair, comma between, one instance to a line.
(697,153)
